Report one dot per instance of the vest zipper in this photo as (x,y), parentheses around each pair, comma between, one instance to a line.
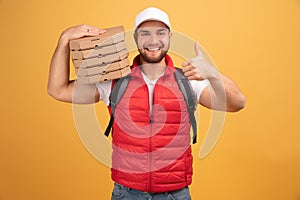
(150,160)
(150,140)
(150,144)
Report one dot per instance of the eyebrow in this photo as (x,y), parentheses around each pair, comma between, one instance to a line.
(143,30)
(147,31)
(162,29)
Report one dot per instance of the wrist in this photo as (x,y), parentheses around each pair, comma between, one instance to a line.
(63,45)
(63,41)
(212,74)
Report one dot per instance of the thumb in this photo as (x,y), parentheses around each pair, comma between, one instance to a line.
(197,49)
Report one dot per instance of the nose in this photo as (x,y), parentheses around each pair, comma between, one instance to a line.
(153,39)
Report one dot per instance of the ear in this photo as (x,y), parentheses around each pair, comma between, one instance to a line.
(135,37)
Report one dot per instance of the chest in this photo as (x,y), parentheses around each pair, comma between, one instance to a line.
(146,101)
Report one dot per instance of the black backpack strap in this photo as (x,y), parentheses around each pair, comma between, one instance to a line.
(187,91)
(115,97)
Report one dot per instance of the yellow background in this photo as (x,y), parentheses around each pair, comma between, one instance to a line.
(256,43)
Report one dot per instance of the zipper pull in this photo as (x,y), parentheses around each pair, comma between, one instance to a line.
(151,120)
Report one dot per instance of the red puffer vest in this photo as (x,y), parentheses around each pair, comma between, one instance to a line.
(152,152)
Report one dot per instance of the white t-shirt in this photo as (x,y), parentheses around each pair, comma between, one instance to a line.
(104,89)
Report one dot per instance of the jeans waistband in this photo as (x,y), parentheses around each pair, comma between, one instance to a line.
(143,192)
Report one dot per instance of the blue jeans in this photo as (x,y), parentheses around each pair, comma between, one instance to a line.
(124,193)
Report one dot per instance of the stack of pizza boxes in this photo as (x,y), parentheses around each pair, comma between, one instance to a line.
(100,58)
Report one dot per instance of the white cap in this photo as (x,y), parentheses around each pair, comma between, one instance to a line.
(152,13)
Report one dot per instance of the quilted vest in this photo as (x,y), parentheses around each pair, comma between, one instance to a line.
(151,151)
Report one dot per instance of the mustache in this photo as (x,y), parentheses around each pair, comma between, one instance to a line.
(152,46)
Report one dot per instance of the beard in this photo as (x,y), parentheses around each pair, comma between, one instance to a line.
(148,59)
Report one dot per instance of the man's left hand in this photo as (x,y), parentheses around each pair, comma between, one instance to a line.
(198,68)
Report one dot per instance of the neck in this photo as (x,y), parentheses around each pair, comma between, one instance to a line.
(153,70)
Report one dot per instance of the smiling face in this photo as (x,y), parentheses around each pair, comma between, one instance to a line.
(153,41)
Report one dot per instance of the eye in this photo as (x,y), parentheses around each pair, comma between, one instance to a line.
(162,33)
(144,34)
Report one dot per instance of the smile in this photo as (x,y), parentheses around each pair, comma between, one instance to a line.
(153,49)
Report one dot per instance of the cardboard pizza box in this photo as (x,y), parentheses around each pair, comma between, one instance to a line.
(98,51)
(104,77)
(102,69)
(100,60)
(111,36)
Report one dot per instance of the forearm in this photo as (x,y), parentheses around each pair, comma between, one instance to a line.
(235,100)
(225,94)
(217,93)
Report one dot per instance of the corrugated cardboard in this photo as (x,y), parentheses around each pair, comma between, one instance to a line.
(111,36)
(98,51)
(104,77)
(100,58)
(105,59)
(102,69)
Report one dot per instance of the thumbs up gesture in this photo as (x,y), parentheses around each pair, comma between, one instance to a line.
(198,68)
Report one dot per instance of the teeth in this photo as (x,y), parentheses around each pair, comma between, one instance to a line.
(153,49)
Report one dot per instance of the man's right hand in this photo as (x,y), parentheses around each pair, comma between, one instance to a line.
(79,31)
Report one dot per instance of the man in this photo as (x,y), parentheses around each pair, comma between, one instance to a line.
(151,141)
